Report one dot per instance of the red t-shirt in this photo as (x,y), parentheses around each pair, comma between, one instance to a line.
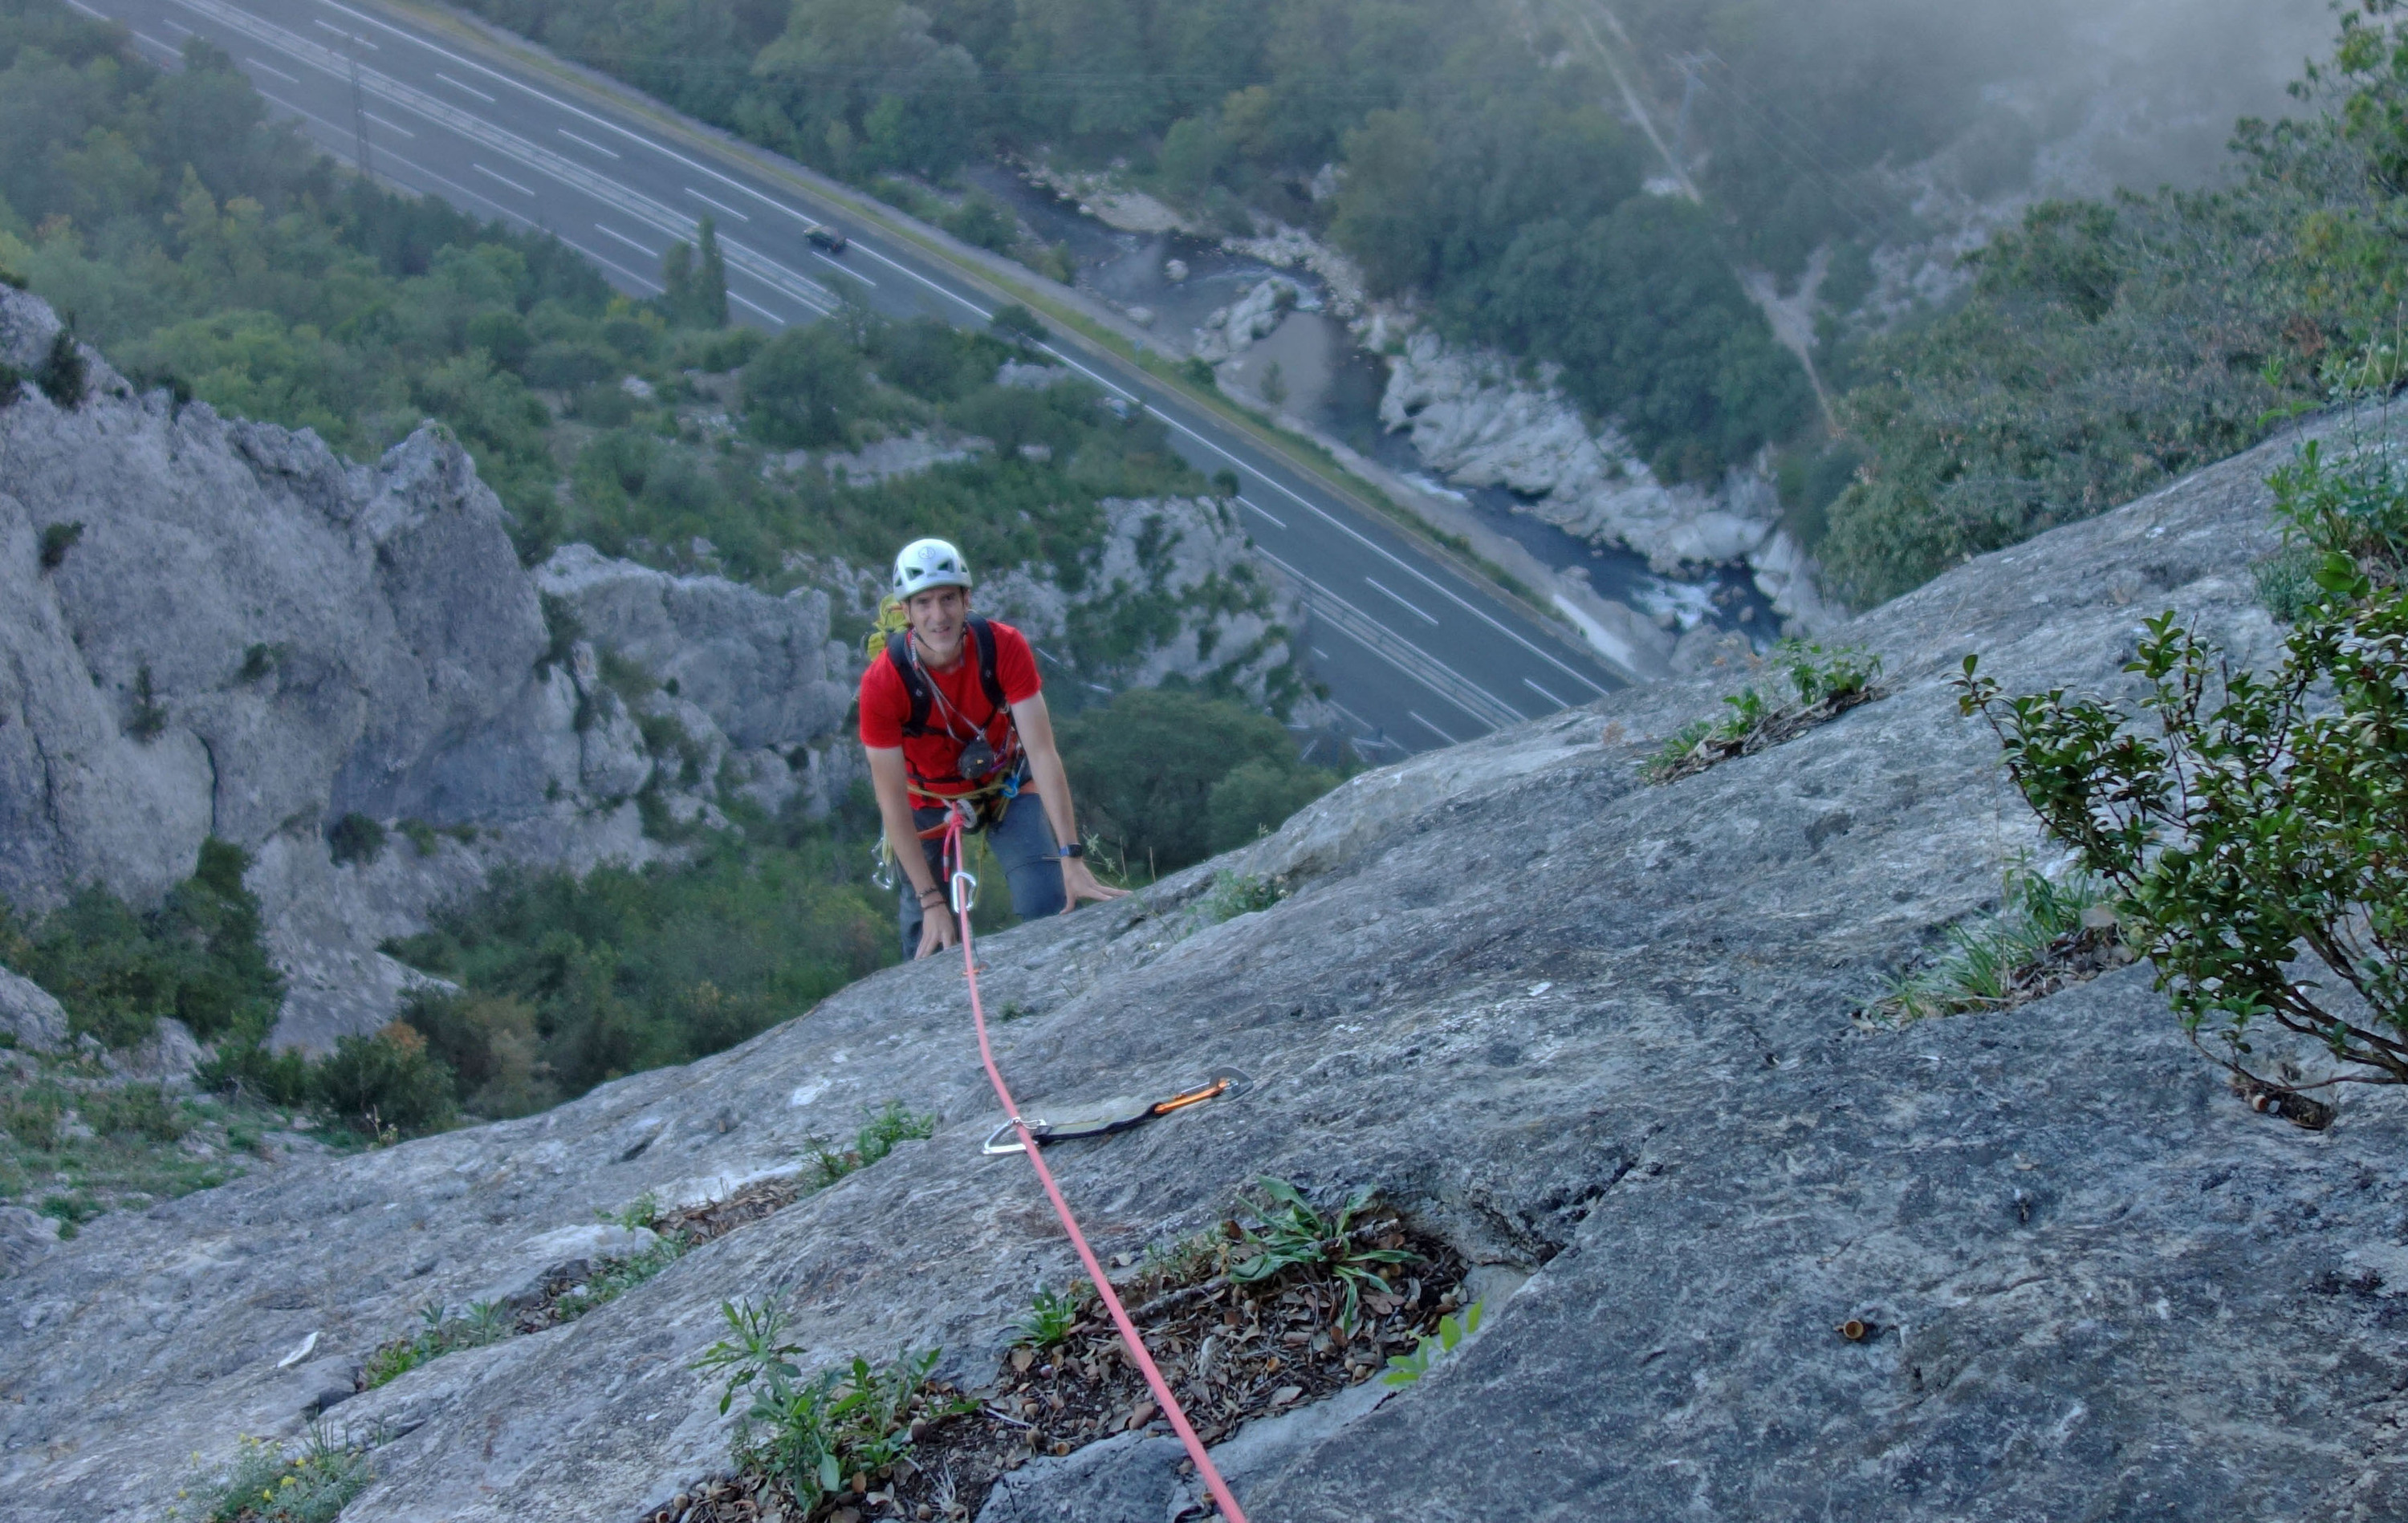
(886,705)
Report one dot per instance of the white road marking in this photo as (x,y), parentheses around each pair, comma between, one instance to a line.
(581,142)
(611,265)
(471,90)
(1430,619)
(388,126)
(504,179)
(1406,657)
(614,233)
(170,51)
(740,297)
(716,205)
(269,68)
(177,26)
(1264,511)
(1431,727)
(1545,693)
(347,37)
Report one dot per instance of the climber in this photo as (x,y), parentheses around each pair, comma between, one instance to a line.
(950,711)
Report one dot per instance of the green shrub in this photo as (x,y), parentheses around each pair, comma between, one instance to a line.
(356,838)
(57,539)
(149,718)
(61,374)
(196,958)
(492,1048)
(1233,894)
(385,1081)
(2048,934)
(2240,816)
(626,968)
(1169,776)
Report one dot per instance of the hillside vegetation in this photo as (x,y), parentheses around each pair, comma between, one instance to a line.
(207,250)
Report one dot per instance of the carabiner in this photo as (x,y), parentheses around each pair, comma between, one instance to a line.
(964,901)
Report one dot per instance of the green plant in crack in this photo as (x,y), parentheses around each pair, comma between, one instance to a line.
(1824,682)
(1233,894)
(811,1438)
(890,1124)
(486,1322)
(2047,935)
(1295,1235)
(264,1484)
(1404,1369)
(1052,1315)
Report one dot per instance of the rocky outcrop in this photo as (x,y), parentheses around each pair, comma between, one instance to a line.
(29,1016)
(1229,329)
(213,628)
(1478,423)
(2091,1281)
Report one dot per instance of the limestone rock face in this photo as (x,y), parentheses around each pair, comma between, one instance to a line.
(32,1019)
(1472,419)
(1594,1030)
(220,628)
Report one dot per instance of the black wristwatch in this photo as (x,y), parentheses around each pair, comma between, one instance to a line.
(1073,850)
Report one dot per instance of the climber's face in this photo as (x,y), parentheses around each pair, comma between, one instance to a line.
(938,616)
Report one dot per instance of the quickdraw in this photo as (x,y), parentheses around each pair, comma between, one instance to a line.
(961,888)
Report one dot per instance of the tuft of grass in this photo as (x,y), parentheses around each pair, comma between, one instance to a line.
(2047,935)
(258,662)
(420,834)
(486,1322)
(1295,1235)
(1233,894)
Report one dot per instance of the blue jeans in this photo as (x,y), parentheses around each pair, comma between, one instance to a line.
(1022,840)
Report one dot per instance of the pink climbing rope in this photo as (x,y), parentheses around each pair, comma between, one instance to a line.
(955,880)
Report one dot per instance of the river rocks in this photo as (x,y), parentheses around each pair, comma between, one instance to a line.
(1229,329)
(29,1016)
(1590,1030)
(1475,420)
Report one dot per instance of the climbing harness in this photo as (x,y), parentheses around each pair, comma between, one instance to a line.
(961,891)
(1102,1117)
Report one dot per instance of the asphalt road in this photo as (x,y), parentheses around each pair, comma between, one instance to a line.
(1415,652)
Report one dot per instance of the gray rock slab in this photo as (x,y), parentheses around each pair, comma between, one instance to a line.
(1132,1478)
(1592,1031)
(32,1018)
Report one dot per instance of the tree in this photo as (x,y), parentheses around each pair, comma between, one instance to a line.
(694,282)
(800,388)
(2242,817)
(1170,776)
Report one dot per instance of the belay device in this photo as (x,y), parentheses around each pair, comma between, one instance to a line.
(1102,1117)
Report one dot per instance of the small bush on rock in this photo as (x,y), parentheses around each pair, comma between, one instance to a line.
(385,1082)
(2239,817)
(62,374)
(356,838)
(57,539)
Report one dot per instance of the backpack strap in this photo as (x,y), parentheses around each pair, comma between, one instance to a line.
(915,681)
(989,682)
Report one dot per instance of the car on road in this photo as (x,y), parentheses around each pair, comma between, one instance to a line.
(827,240)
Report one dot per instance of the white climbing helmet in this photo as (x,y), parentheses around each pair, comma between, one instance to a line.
(929,563)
